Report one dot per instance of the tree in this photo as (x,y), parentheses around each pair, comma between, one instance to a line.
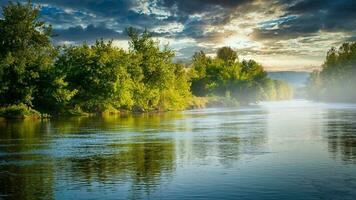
(98,74)
(335,82)
(214,76)
(227,54)
(225,76)
(198,74)
(25,52)
(253,80)
(156,77)
(27,57)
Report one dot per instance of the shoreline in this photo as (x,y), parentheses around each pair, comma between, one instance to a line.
(23,112)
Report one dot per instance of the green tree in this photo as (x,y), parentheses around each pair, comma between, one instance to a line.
(253,81)
(27,72)
(98,74)
(25,51)
(335,82)
(227,54)
(226,76)
(213,76)
(160,84)
(198,74)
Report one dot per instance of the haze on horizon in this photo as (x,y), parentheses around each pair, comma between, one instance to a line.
(283,35)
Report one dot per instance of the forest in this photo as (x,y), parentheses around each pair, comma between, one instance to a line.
(39,78)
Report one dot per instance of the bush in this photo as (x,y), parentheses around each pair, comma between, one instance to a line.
(20,111)
(197,102)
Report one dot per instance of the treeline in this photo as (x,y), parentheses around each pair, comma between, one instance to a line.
(35,74)
(336,81)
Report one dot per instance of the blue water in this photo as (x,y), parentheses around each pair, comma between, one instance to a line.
(274,150)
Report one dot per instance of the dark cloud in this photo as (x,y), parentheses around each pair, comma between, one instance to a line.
(308,6)
(198,6)
(58,17)
(122,13)
(108,8)
(313,16)
(89,34)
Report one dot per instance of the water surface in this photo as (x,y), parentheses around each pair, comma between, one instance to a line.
(275,150)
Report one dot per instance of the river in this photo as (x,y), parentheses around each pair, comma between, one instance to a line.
(275,150)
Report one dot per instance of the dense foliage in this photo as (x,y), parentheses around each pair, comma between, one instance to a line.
(103,78)
(225,75)
(26,54)
(336,80)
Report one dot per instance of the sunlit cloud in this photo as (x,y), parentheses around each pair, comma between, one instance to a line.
(173,27)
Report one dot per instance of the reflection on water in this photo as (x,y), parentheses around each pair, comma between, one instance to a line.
(341,129)
(24,173)
(298,150)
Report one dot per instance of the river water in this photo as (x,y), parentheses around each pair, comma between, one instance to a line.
(275,150)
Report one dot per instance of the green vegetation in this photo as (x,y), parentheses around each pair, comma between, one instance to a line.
(26,55)
(336,81)
(20,111)
(102,78)
(225,76)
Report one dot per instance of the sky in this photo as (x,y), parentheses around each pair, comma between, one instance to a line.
(282,35)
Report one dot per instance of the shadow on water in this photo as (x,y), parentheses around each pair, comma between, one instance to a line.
(341,130)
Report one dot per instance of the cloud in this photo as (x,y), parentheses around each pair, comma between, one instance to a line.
(199,6)
(89,34)
(311,17)
(106,8)
(266,29)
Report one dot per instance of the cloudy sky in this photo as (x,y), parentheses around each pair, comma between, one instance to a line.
(280,34)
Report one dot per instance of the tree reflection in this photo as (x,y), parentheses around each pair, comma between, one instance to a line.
(148,122)
(241,134)
(136,154)
(341,129)
(25,172)
(143,163)
(109,149)
(223,136)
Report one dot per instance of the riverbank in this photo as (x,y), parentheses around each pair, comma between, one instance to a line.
(22,111)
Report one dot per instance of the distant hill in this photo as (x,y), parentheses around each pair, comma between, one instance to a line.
(295,79)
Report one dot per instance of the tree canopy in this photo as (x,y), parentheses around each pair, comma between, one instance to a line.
(26,53)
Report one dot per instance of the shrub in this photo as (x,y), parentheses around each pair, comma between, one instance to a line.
(20,111)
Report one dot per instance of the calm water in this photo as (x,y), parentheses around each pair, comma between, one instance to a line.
(284,150)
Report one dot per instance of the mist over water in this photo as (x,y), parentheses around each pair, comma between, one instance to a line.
(274,150)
